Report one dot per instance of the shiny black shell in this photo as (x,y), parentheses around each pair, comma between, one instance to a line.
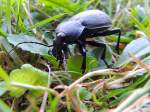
(92,18)
(73,27)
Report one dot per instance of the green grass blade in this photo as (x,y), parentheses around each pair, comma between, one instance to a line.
(140,26)
(8,15)
(87,4)
(13,55)
(47,20)
(65,4)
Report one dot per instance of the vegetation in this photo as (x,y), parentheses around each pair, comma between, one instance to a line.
(31,79)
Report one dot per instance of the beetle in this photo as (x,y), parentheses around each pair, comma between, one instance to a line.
(78,29)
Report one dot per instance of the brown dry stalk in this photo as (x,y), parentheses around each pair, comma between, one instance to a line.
(140,62)
(88,75)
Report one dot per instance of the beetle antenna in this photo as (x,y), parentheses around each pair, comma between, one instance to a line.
(28,42)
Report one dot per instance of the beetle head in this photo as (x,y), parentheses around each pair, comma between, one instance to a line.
(60,38)
(66,33)
(58,45)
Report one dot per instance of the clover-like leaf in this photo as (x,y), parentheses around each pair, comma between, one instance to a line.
(27,75)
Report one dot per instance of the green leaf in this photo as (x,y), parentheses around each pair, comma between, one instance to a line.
(3,88)
(53,105)
(98,52)
(2,33)
(140,26)
(53,61)
(31,47)
(7,46)
(65,4)
(4,107)
(123,39)
(27,75)
(8,14)
(74,63)
(85,5)
(85,94)
(138,48)
(4,75)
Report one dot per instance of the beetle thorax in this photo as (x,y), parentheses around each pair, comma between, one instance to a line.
(71,29)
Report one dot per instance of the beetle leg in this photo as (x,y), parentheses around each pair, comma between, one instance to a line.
(98,44)
(111,32)
(103,56)
(82,50)
(65,50)
(89,31)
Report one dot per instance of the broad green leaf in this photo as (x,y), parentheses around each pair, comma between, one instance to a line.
(27,75)
(74,63)
(138,48)
(31,47)
(4,107)
(4,75)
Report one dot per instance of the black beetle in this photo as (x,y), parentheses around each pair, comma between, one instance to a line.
(77,29)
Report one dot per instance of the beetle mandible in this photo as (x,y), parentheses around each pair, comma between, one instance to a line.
(77,29)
